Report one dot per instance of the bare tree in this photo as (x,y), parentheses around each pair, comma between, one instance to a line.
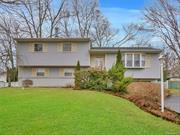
(163,17)
(37,18)
(8,30)
(104,35)
(84,12)
(8,1)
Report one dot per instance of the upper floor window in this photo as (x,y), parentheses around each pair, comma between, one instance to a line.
(67,47)
(40,72)
(129,60)
(142,60)
(134,60)
(38,47)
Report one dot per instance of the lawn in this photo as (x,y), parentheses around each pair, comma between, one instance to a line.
(174,91)
(53,111)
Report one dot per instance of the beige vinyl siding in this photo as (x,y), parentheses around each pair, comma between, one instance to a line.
(60,47)
(33,72)
(45,47)
(31,47)
(74,47)
(61,72)
(46,72)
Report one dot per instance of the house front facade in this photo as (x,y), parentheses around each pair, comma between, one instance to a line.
(50,62)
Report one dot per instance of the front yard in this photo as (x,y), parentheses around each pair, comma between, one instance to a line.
(55,111)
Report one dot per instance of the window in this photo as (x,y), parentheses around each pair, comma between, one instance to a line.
(40,72)
(136,60)
(129,60)
(67,47)
(67,73)
(38,47)
(142,60)
(99,62)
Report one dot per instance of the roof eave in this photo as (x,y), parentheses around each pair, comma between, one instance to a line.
(24,40)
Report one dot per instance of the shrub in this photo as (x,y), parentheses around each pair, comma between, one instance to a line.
(78,67)
(27,83)
(92,79)
(77,76)
(120,86)
(116,73)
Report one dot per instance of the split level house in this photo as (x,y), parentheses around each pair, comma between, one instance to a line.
(51,61)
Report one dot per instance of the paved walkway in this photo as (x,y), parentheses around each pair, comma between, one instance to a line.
(173,102)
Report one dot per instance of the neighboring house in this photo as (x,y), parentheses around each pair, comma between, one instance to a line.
(51,61)
(3,80)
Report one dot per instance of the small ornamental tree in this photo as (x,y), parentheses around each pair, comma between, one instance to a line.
(117,70)
(119,58)
(116,74)
(77,76)
(78,66)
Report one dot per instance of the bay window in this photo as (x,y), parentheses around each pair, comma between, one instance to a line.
(134,60)
(129,60)
(142,60)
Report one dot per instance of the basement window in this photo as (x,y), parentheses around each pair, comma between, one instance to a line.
(40,72)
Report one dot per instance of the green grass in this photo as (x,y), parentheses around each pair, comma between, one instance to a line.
(174,91)
(53,111)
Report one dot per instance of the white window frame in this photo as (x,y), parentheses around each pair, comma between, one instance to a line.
(144,60)
(126,60)
(133,65)
(139,60)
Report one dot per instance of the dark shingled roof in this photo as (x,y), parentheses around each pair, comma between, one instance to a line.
(24,40)
(125,49)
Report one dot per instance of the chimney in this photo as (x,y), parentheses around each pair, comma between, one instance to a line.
(56,31)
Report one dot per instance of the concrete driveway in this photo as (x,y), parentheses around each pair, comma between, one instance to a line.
(173,102)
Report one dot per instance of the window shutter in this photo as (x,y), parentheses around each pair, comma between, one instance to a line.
(61,72)
(46,72)
(33,72)
(60,47)
(45,47)
(31,47)
(74,47)
(148,61)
